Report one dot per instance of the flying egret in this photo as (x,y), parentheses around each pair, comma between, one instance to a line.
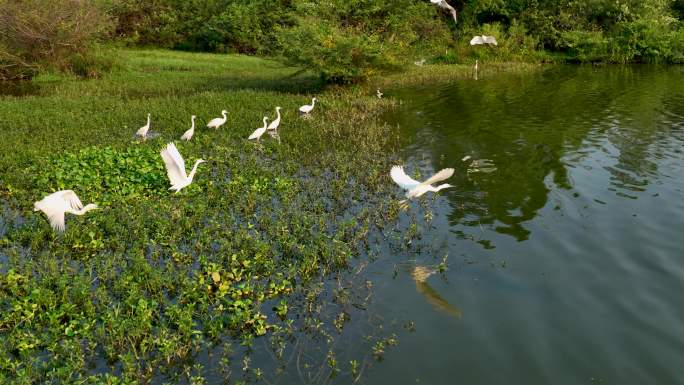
(259,131)
(142,131)
(443,4)
(377,92)
(218,122)
(275,123)
(476,40)
(58,203)
(414,188)
(307,108)
(175,167)
(189,133)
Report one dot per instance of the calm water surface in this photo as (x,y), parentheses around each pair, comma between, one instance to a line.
(566,264)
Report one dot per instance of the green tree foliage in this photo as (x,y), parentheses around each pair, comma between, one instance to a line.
(587,30)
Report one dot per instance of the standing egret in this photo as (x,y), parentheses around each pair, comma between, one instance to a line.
(189,133)
(377,92)
(477,40)
(414,188)
(275,123)
(175,167)
(259,131)
(420,62)
(307,108)
(142,131)
(58,203)
(476,68)
(218,122)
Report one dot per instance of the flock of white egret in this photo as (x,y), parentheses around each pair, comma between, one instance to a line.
(57,204)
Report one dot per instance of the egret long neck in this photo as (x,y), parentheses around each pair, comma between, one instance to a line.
(194,170)
(193,123)
(84,210)
(313,102)
(265,122)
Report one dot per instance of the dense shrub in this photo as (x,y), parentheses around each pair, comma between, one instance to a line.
(203,25)
(349,40)
(38,34)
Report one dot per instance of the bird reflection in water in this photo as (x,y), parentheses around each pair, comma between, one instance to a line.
(420,274)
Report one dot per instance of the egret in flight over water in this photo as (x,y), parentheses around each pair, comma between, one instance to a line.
(189,133)
(218,122)
(414,188)
(477,40)
(307,108)
(275,123)
(142,131)
(259,131)
(58,203)
(175,167)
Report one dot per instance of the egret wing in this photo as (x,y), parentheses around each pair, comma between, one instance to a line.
(489,40)
(404,181)
(440,176)
(175,165)
(56,219)
(476,40)
(71,198)
(257,133)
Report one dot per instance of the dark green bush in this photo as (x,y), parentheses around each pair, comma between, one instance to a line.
(203,25)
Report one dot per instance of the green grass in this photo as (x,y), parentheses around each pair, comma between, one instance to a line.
(135,291)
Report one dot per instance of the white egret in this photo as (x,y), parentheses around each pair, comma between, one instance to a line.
(189,133)
(175,167)
(477,40)
(477,65)
(218,122)
(414,188)
(142,131)
(443,4)
(378,93)
(275,123)
(307,108)
(259,131)
(420,62)
(58,203)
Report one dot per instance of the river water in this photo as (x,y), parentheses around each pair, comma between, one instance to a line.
(566,263)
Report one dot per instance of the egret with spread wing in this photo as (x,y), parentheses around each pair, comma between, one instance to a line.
(58,203)
(477,40)
(415,188)
(175,167)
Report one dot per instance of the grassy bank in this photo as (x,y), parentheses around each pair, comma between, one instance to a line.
(133,292)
